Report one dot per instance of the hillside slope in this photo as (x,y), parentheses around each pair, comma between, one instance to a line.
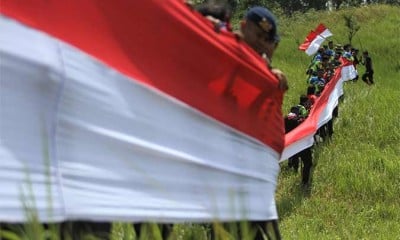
(356,180)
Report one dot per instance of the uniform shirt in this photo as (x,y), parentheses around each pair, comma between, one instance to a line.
(368,64)
(348,56)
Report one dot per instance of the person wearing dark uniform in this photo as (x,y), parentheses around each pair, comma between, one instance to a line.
(292,120)
(356,61)
(259,31)
(368,76)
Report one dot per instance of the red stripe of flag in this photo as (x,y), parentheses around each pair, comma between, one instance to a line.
(211,72)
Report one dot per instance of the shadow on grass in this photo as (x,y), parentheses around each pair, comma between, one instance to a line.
(297,192)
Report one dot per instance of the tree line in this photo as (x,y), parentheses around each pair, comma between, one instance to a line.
(288,7)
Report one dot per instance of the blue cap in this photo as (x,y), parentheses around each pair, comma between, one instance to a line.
(265,20)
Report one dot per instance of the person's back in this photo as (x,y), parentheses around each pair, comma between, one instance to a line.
(367,61)
(317,81)
(291,122)
(312,98)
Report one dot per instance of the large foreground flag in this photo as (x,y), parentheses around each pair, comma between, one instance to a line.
(314,39)
(133,111)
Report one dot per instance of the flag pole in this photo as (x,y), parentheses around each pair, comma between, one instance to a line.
(359,40)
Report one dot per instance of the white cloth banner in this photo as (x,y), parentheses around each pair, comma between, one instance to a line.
(324,117)
(349,72)
(314,45)
(317,41)
(80,141)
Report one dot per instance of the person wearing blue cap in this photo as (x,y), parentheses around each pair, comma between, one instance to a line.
(259,30)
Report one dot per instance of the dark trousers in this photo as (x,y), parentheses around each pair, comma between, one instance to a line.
(269,228)
(306,158)
(368,77)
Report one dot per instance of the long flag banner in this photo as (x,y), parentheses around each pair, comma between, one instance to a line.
(302,136)
(314,39)
(128,111)
(133,111)
(321,113)
(348,71)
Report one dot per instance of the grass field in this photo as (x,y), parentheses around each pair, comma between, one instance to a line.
(356,176)
(356,180)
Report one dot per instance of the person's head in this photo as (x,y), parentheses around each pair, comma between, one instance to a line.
(347,47)
(303,99)
(320,72)
(365,53)
(259,30)
(325,58)
(218,11)
(338,48)
(295,111)
(330,44)
(310,89)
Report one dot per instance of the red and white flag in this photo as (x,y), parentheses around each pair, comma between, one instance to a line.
(302,136)
(314,39)
(348,72)
(139,111)
(133,111)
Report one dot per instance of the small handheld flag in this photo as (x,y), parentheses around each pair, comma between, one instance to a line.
(314,39)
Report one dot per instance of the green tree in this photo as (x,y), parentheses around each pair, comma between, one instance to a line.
(351,25)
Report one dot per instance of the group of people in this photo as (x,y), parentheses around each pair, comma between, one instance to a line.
(258,30)
(319,73)
(328,57)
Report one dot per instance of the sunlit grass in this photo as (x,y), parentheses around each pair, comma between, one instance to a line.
(356,176)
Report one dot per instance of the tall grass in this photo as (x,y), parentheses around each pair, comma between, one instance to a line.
(356,180)
(356,177)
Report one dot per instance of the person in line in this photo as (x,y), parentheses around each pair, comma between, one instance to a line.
(317,79)
(336,60)
(339,49)
(356,61)
(327,67)
(312,97)
(218,14)
(296,116)
(347,52)
(292,120)
(259,30)
(316,62)
(330,51)
(368,76)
